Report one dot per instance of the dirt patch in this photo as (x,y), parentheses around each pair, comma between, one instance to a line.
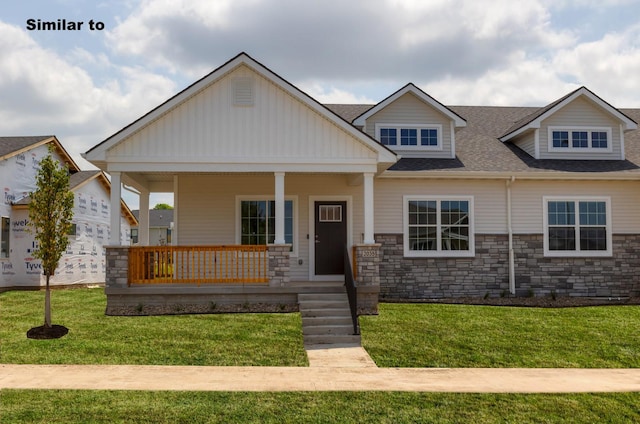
(535,302)
(46,333)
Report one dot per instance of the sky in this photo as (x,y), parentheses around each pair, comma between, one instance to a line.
(83,85)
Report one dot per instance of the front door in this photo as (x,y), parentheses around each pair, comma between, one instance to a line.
(330,237)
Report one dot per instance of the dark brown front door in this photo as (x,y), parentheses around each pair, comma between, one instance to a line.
(330,237)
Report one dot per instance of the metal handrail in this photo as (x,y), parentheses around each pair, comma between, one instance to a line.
(352,291)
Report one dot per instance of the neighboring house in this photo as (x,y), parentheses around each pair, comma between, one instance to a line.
(160,226)
(84,262)
(433,201)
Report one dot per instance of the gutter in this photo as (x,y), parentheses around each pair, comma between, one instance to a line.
(512,265)
(482,175)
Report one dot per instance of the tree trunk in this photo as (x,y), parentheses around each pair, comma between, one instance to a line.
(47,305)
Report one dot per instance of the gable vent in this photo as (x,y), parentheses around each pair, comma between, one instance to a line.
(243,92)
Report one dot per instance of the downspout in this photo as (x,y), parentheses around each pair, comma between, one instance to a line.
(512,265)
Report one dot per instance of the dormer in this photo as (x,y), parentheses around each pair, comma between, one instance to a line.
(413,124)
(578,126)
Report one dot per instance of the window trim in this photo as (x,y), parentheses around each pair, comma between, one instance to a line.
(267,198)
(437,253)
(418,127)
(589,130)
(577,253)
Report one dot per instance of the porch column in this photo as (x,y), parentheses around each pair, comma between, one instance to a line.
(368,208)
(143,218)
(279,194)
(116,195)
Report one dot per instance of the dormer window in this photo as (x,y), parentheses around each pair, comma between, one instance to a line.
(583,139)
(410,137)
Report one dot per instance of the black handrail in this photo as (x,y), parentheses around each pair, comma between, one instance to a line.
(352,291)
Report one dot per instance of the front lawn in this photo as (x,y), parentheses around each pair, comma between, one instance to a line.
(222,339)
(436,335)
(70,406)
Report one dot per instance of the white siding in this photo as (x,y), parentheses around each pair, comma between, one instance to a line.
(527,143)
(207,207)
(581,113)
(528,208)
(408,109)
(490,205)
(209,128)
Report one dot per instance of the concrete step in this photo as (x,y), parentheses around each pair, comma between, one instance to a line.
(308,297)
(313,321)
(316,339)
(324,304)
(325,312)
(328,329)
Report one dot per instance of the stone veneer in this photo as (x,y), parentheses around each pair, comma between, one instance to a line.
(117,272)
(367,259)
(488,274)
(279,265)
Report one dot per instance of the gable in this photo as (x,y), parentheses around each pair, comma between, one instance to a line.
(241,117)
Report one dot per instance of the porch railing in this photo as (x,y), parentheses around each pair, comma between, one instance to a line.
(198,264)
(352,293)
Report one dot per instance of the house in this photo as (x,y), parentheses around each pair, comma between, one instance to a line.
(432,201)
(84,261)
(160,227)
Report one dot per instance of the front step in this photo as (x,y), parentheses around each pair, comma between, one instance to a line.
(326,318)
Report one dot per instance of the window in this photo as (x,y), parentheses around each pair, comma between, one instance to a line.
(410,136)
(579,139)
(577,227)
(5,247)
(438,226)
(134,236)
(258,221)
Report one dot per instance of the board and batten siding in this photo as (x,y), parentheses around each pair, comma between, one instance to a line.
(408,109)
(208,127)
(207,207)
(581,113)
(490,201)
(528,207)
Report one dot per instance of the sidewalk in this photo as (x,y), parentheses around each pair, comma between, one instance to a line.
(346,368)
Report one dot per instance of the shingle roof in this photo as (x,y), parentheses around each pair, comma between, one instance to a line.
(9,145)
(478,148)
(158,218)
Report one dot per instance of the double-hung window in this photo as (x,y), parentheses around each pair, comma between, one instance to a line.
(407,136)
(577,226)
(580,139)
(258,221)
(438,226)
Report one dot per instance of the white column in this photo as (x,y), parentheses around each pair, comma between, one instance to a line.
(176,210)
(116,195)
(368,208)
(279,192)
(143,219)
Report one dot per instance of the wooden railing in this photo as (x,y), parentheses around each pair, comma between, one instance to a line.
(198,264)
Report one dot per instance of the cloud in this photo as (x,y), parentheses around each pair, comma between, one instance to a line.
(334,39)
(42,92)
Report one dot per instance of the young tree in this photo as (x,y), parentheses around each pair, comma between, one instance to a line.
(50,214)
(163,206)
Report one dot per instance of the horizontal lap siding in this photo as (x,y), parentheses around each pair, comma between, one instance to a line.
(528,209)
(408,109)
(580,113)
(489,201)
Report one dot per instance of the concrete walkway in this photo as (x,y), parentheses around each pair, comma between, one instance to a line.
(340,368)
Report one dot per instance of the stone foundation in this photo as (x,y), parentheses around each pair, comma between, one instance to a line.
(487,274)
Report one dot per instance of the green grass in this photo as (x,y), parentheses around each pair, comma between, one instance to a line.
(218,339)
(434,335)
(68,406)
